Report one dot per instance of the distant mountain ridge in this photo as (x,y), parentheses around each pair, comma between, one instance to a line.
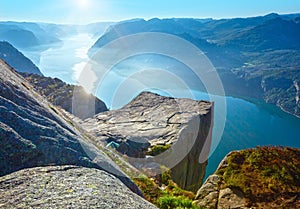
(23,35)
(256,57)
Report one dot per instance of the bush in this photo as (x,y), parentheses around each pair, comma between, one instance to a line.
(170,202)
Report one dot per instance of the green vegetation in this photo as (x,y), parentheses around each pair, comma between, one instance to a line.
(170,202)
(263,171)
(158,149)
(169,195)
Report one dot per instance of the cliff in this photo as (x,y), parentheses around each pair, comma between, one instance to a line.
(61,94)
(265,177)
(35,133)
(180,127)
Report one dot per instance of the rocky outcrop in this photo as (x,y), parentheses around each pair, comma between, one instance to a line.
(151,120)
(61,94)
(36,133)
(66,187)
(16,59)
(264,177)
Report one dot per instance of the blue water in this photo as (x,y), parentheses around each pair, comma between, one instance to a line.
(248,124)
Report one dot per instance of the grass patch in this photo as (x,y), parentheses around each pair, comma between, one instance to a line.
(168,195)
(158,149)
(170,202)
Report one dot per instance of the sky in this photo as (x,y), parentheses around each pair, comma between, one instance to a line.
(88,11)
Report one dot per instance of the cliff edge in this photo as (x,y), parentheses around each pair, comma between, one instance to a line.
(181,128)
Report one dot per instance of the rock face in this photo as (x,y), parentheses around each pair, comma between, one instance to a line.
(66,187)
(151,120)
(33,132)
(61,94)
(16,59)
(264,177)
(208,194)
(30,123)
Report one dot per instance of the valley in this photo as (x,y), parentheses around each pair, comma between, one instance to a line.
(150,131)
(249,122)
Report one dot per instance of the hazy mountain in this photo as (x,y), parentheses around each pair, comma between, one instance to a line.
(25,34)
(275,34)
(16,59)
(250,54)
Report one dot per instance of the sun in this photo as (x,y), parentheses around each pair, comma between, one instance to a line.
(82,4)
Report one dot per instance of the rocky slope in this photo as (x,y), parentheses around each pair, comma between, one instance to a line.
(265,177)
(66,187)
(151,121)
(61,94)
(16,59)
(256,57)
(33,133)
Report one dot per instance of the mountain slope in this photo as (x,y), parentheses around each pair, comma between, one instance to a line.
(16,59)
(35,133)
(61,94)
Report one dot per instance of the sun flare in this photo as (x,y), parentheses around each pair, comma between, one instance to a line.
(82,4)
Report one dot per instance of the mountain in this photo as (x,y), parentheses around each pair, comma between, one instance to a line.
(17,36)
(33,33)
(61,94)
(264,177)
(256,57)
(285,33)
(124,28)
(16,59)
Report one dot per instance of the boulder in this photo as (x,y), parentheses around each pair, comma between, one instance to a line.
(66,187)
(208,195)
(231,198)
